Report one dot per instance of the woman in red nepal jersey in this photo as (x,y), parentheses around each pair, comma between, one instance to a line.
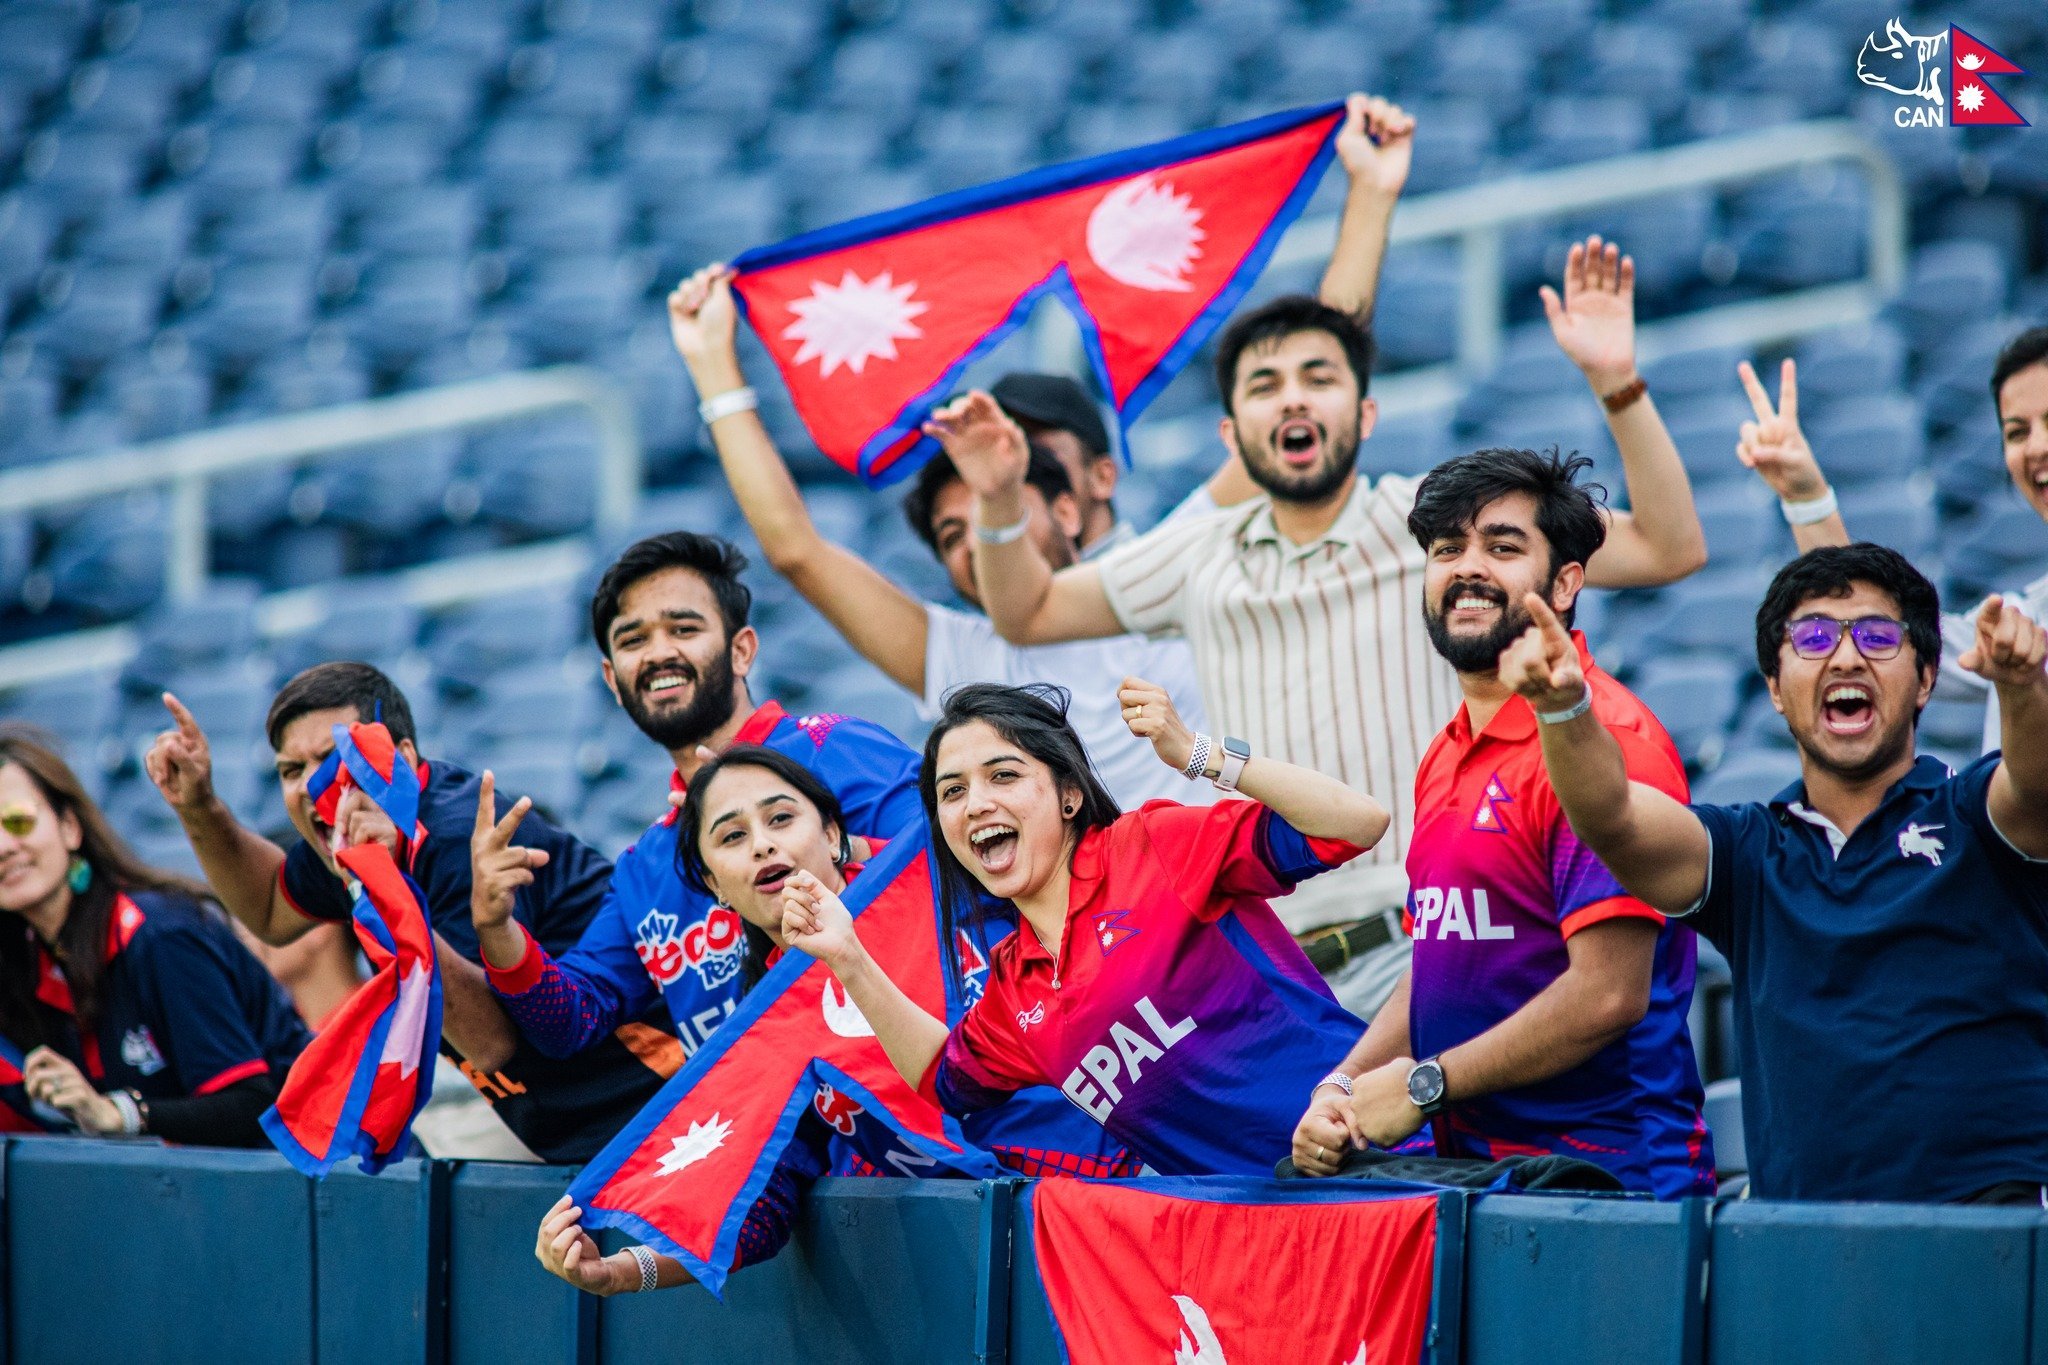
(752,818)
(1008,784)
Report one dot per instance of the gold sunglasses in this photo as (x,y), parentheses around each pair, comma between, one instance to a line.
(20,821)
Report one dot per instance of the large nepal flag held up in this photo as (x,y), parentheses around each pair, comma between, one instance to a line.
(1972,101)
(1228,1271)
(366,1075)
(872,322)
(684,1173)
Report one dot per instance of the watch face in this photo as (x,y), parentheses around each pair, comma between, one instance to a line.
(1426,1084)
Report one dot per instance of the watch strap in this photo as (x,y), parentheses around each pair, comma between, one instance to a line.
(1236,753)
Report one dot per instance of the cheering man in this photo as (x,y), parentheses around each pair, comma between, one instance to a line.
(1886,919)
(1547,1004)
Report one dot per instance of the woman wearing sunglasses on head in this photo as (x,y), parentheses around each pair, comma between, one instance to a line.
(1149,979)
(127,1005)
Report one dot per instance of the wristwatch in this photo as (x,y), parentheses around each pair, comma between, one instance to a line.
(1426,1087)
(1236,753)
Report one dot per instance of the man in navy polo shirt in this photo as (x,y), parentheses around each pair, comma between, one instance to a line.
(1885,918)
(562,1111)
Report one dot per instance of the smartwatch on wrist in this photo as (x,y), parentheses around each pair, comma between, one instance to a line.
(1426,1087)
(1236,753)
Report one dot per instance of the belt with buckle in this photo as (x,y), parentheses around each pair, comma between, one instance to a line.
(1335,948)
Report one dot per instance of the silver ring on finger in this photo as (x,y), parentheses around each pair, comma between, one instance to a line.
(1321,1155)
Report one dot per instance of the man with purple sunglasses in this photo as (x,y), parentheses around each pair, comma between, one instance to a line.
(1886,919)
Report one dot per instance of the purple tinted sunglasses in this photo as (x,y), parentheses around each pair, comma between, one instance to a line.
(1876,637)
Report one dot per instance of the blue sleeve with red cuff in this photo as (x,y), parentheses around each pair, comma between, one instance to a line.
(560,1010)
(1293,857)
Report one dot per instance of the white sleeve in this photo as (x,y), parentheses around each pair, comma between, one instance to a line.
(1144,579)
(958,648)
(1954,682)
(1199,503)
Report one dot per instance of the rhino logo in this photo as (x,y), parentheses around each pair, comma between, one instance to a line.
(1903,64)
(1916,841)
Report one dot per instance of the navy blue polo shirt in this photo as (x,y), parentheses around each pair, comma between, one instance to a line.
(1891,1000)
(565,1110)
(184,1008)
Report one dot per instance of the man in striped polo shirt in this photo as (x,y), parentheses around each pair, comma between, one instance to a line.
(1304,605)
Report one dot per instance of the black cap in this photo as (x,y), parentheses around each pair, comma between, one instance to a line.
(1053,400)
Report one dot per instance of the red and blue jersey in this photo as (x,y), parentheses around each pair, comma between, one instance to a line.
(1497,884)
(1178,1012)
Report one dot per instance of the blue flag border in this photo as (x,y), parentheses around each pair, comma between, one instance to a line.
(1059,283)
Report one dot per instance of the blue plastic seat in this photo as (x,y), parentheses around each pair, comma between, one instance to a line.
(180,40)
(230,163)
(581,216)
(155,402)
(946,30)
(1950,284)
(1712,613)
(1531,369)
(1695,697)
(733,80)
(799,27)
(1754,775)
(389,490)
(28,229)
(472,645)
(1322,62)
(152,232)
(667,159)
(538,702)
(255,307)
(1454,144)
(295,380)
(1901,516)
(1095,129)
(1182,71)
(628,29)
(1849,365)
(586,84)
(815,147)
(1587,128)
(82,172)
(1030,75)
(109,563)
(1776,58)
(371,627)
(1412,444)
(2003,547)
(39,42)
(1795,233)
(330,32)
(964,147)
(81,710)
(1571,423)
(209,632)
(879,74)
(574,306)
(1093,29)
(537,479)
(1488,63)
(427,82)
(1875,442)
(91,315)
(718,225)
(1398,27)
(1415,316)
(876,192)
(1645,61)
(370,159)
(28,416)
(1552,26)
(521,156)
(1741,521)
(1705,430)
(481,28)
(269,87)
(287,224)
(551,779)
(121,97)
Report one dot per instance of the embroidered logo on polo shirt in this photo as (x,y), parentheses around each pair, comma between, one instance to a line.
(1111,931)
(1915,842)
(1487,819)
(139,1050)
(1035,1015)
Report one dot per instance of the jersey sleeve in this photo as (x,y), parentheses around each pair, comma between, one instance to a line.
(1215,854)
(874,775)
(1583,890)
(984,1060)
(313,890)
(1728,828)
(1953,682)
(1145,581)
(770,1221)
(1970,789)
(565,1004)
(200,1007)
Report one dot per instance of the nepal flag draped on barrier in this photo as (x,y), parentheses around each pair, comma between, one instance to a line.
(359,1084)
(684,1173)
(1203,1271)
(872,322)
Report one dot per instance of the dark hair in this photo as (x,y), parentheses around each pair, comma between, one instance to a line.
(718,562)
(690,858)
(81,943)
(1834,571)
(1043,472)
(323,687)
(1034,718)
(1283,317)
(2028,348)
(1567,513)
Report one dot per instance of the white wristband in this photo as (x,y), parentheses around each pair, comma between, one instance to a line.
(1198,758)
(650,1273)
(1336,1078)
(1812,510)
(1003,535)
(727,403)
(1572,712)
(131,1112)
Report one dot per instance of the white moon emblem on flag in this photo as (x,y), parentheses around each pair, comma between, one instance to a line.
(842,1016)
(1146,235)
(854,321)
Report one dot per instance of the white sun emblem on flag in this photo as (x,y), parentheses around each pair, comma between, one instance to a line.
(692,1147)
(1970,61)
(1145,235)
(1971,97)
(854,321)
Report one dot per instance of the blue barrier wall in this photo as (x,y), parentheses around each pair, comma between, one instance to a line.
(125,1252)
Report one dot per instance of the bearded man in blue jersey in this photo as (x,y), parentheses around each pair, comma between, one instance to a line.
(670,621)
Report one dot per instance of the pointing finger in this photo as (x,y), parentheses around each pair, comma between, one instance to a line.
(187,726)
(1554,633)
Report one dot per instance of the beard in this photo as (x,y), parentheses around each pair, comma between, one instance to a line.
(709,707)
(1477,653)
(1340,457)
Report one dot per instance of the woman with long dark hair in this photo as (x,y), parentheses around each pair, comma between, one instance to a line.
(1149,979)
(127,1002)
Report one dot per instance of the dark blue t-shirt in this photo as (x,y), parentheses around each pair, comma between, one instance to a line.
(1891,1002)
(563,1110)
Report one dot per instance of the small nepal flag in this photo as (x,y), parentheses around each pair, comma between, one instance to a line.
(1971,99)
(684,1173)
(872,322)
(1213,1270)
(366,1075)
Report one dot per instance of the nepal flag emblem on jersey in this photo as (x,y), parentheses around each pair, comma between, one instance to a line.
(1488,818)
(1111,931)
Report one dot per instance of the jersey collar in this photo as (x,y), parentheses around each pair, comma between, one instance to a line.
(52,988)
(1515,722)
(755,729)
(1926,774)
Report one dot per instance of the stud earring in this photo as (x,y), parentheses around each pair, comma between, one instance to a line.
(79,875)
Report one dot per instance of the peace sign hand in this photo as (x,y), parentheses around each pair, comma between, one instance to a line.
(1543,665)
(497,866)
(1773,444)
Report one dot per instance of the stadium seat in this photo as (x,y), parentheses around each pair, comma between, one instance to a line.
(1795,232)
(1724,1120)
(1415,315)
(1029,77)
(269,87)
(1705,432)
(254,308)
(571,306)
(206,633)
(230,163)
(1454,144)
(1950,284)
(472,645)
(945,30)
(368,626)
(729,79)
(588,84)
(1754,775)
(328,32)
(1699,376)
(876,192)
(109,562)
(1552,26)
(1180,71)
(156,400)
(427,220)
(747,211)
(1776,57)
(965,147)
(482,29)
(27,231)
(81,172)
(877,77)
(1874,443)
(428,82)
(523,156)
(291,224)
(1953,724)
(1711,613)
(407,306)
(370,158)
(1969,469)
(134,100)
(1488,63)
(1587,128)
(1849,364)
(1643,60)
(92,314)
(2000,549)
(537,478)
(390,490)
(667,159)
(1309,64)
(1531,369)
(39,42)
(825,145)
(1743,525)
(28,417)
(1398,26)
(1695,697)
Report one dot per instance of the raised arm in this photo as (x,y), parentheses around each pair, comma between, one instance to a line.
(1775,447)
(1653,845)
(2009,654)
(883,622)
(1314,803)
(1377,146)
(817,922)
(240,865)
(1028,603)
(1660,540)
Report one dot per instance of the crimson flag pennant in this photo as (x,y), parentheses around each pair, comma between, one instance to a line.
(684,1173)
(1133,1272)
(1971,98)
(872,322)
(359,1084)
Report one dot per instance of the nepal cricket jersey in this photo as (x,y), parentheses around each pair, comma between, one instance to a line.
(1497,884)
(1178,1011)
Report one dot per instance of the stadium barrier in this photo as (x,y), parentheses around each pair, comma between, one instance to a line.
(141,1252)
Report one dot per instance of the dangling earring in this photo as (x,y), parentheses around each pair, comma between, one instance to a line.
(80,875)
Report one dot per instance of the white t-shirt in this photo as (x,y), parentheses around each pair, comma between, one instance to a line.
(962,648)
(1959,632)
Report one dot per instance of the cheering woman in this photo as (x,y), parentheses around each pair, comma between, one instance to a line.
(1149,979)
(127,1004)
